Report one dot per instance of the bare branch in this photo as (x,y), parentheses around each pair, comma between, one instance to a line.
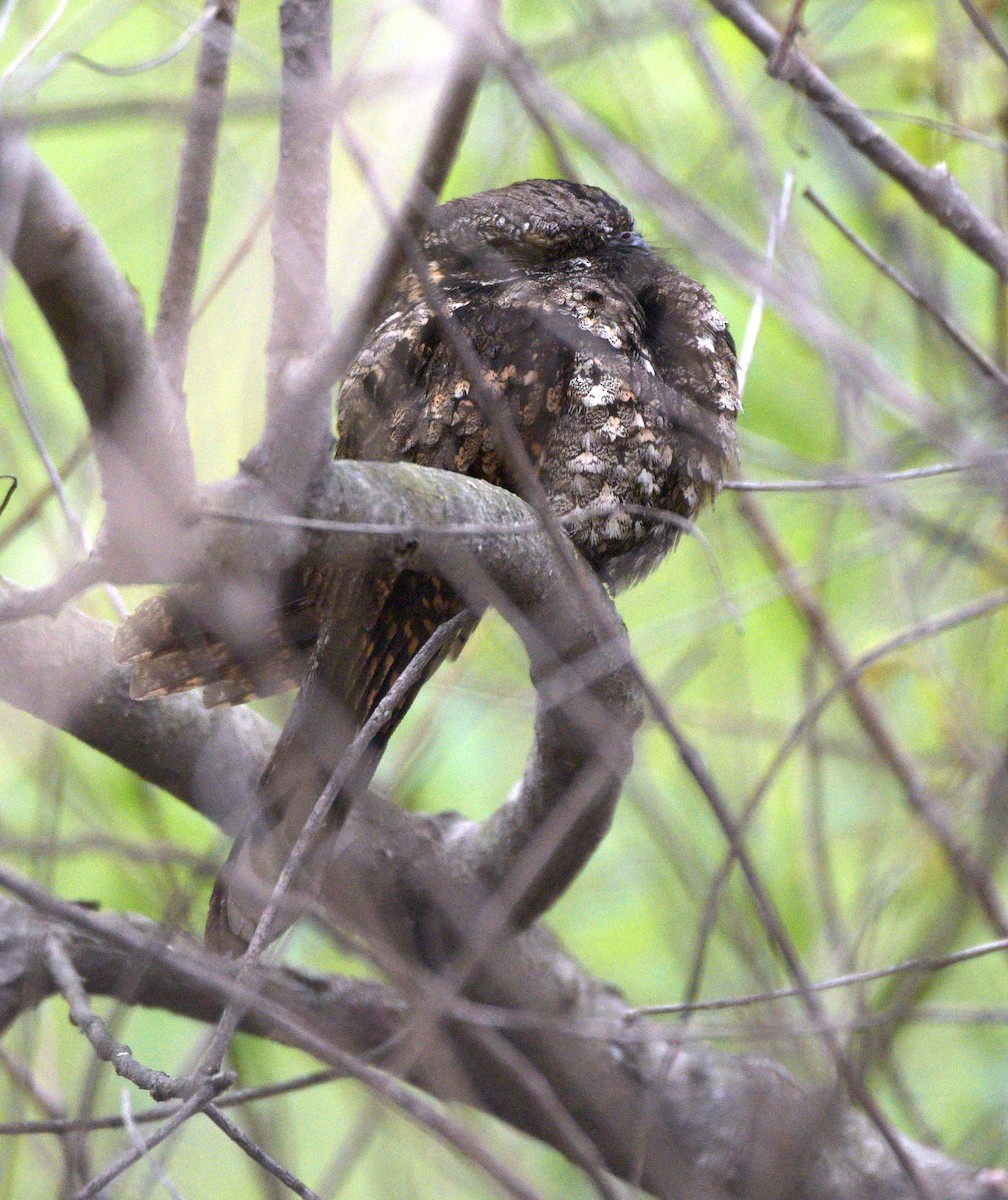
(128,1158)
(107,1048)
(935,190)
(257,1153)
(723,1126)
(588,707)
(141,444)
(986,30)
(964,342)
(921,966)
(298,429)
(794,24)
(62,671)
(192,206)
(50,598)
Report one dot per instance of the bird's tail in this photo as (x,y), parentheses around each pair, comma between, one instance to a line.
(176,641)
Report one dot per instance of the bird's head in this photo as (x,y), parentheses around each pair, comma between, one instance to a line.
(537,220)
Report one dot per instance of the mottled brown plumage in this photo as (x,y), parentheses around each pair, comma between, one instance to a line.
(619,374)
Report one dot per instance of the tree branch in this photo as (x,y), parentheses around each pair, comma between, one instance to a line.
(298,432)
(61,670)
(415,888)
(192,207)
(721,1126)
(140,439)
(934,189)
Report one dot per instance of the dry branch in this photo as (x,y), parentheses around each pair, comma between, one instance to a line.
(61,670)
(721,1126)
(298,434)
(192,207)
(435,899)
(407,885)
(140,441)
(934,189)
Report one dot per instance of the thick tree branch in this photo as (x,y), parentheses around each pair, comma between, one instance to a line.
(719,1126)
(416,889)
(588,704)
(298,430)
(140,439)
(588,707)
(61,670)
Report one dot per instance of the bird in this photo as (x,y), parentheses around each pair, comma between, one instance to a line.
(619,374)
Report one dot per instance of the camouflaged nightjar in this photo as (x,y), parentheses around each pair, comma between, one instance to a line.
(620,375)
(617,369)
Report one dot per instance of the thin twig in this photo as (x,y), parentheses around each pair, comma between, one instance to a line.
(794,24)
(928,628)
(859,481)
(19,391)
(235,258)
(925,965)
(986,364)
(32,81)
(34,505)
(20,59)
(72,1145)
(776,931)
(70,514)
(230,1099)
(872,719)
(132,1156)
(372,529)
(756,314)
(11,481)
(986,30)
(159,1084)
(258,1154)
(158,1173)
